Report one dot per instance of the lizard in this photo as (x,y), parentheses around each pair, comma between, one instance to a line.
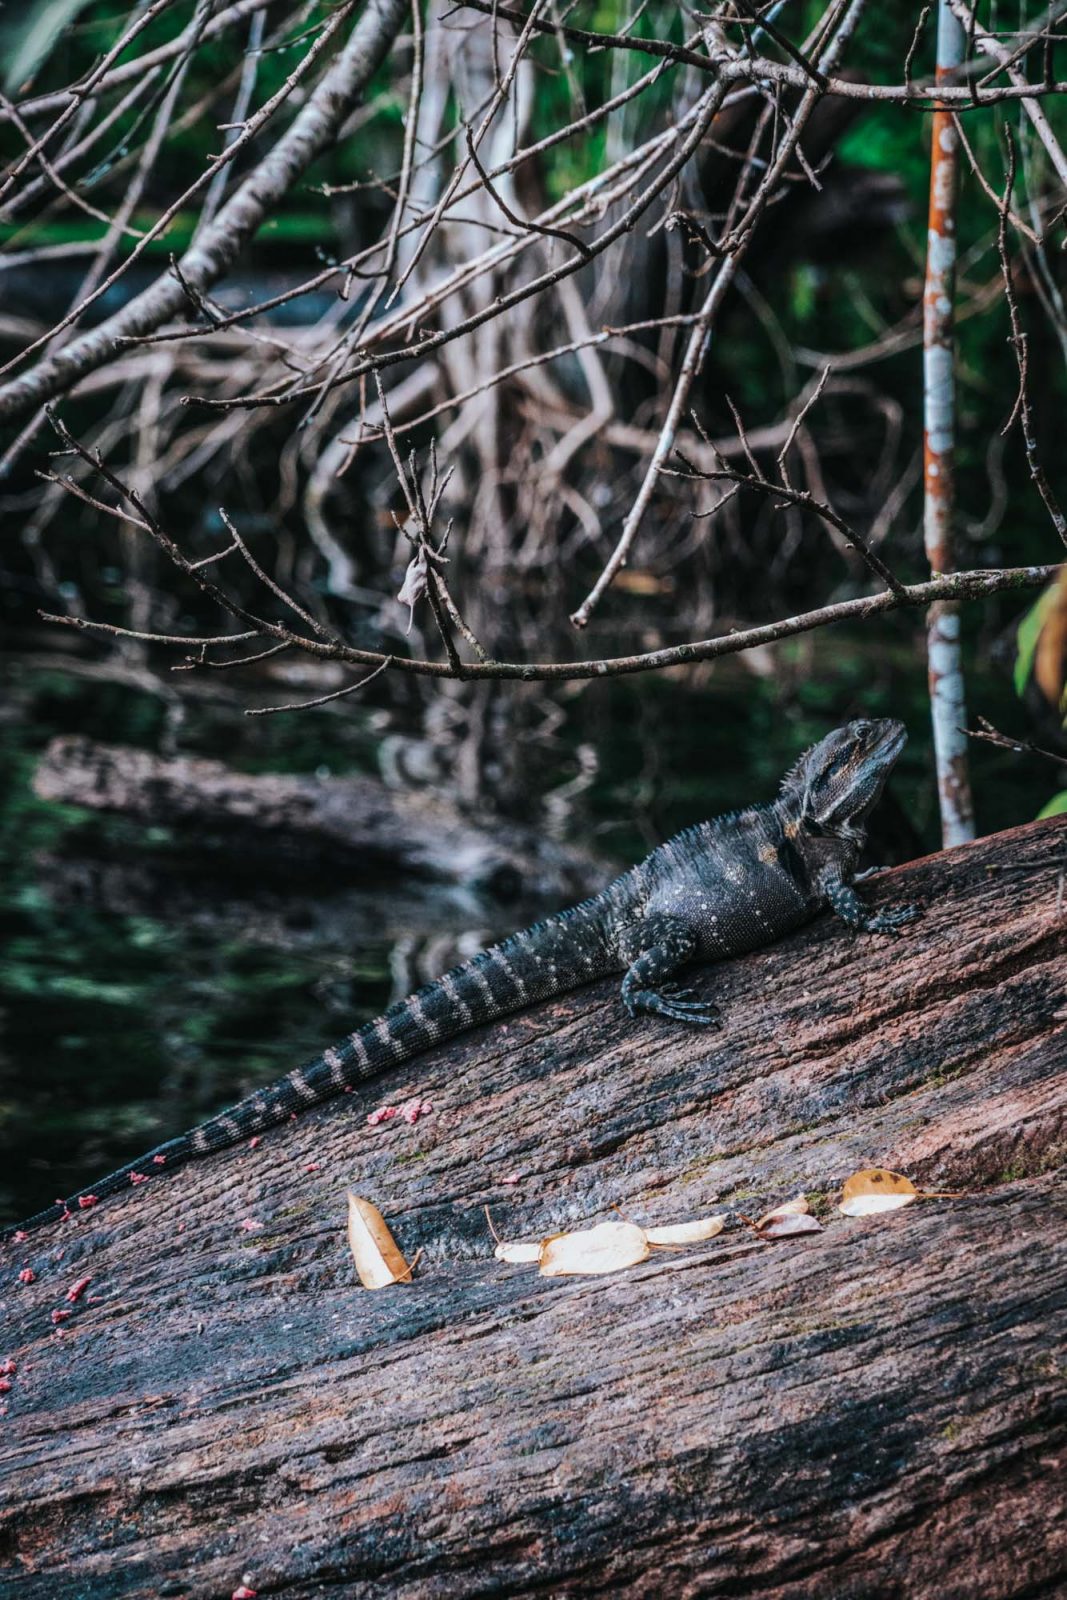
(716,890)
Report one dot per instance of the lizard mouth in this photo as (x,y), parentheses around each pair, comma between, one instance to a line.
(890,739)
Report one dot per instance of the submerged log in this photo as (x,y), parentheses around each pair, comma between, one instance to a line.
(875,1410)
(353,824)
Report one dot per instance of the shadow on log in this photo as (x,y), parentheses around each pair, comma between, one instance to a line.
(353,825)
(871,1411)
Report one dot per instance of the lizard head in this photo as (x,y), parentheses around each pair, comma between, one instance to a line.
(837,783)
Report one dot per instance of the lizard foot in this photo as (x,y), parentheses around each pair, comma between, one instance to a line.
(678,1004)
(890,920)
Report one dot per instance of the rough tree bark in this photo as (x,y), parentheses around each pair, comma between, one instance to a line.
(349,823)
(872,1411)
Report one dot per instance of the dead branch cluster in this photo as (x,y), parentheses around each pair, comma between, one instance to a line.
(514,354)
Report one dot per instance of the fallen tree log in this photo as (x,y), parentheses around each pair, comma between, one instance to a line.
(353,823)
(872,1411)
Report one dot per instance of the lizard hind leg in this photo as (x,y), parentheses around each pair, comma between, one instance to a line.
(646,986)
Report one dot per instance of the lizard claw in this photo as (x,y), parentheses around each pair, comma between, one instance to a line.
(670,1003)
(895,917)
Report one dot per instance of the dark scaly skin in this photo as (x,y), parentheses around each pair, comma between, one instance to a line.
(714,891)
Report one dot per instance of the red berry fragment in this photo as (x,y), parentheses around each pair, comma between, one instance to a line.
(27,1275)
(8,1367)
(383,1114)
(159,1161)
(412,1110)
(250,1225)
(85,1201)
(138,1177)
(19,1235)
(5,1385)
(59,1316)
(76,1290)
(253,1142)
(243,1592)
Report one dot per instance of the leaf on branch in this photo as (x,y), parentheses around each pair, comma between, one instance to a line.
(414,585)
(876,1189)
(1041,645)
(1050,656)
(374,1250)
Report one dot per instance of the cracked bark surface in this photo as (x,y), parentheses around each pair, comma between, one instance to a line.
(873,1411)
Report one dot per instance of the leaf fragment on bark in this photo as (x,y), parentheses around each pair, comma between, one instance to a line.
(876,1189)
(609,1247)
(519,1251)
(379,1262)
(686,1232)
(785,1220)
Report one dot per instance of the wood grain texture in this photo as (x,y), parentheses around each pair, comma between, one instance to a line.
(873,1411)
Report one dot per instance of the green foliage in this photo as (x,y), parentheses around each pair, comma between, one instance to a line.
(1026,637)
(1056,807)
(27,35)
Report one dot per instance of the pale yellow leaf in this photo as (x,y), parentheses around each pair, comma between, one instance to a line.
(519,1250)
(606,1248)
(374,1250)
(686,1232)
(876,1189)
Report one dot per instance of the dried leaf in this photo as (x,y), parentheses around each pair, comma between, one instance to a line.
(876,1189)
(606,1248)
(789,1208)
(790,1218)
(378,1261)
(414,585)
(519,1250)
(780,1227)
(686,1232)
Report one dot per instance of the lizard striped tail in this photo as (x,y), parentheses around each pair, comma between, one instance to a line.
(550,958)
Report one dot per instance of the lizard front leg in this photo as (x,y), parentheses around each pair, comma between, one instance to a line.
(844,900)
(667,943)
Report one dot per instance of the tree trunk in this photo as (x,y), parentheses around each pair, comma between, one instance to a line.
(871,1411)
(351,825)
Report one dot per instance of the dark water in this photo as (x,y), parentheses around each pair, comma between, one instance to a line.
(143,985)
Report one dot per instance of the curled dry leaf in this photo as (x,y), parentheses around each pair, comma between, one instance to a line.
(606,1248)
(519,1251)
(414,585)
(876,1189)
(374,1250)
(686,1232)
(791,1218)
(792,1222)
